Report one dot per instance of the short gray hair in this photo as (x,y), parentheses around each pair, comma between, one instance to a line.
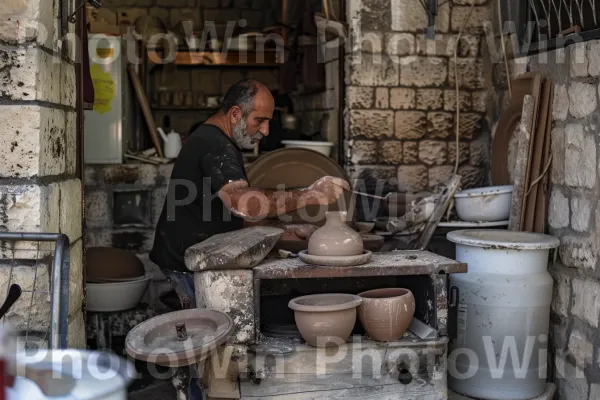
(241,94)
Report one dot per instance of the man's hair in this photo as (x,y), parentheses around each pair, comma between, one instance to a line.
(241,94)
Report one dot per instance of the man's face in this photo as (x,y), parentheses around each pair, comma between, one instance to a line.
(251,128)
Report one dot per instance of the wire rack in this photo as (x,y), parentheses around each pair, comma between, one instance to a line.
(39,264)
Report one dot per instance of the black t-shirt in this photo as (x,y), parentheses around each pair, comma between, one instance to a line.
(193,211)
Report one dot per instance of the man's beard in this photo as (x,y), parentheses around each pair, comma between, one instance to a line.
(244,141)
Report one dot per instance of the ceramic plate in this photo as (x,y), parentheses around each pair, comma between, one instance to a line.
(336,261)
(463,224)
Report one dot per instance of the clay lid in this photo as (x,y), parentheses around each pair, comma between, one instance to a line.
(503,239)
(155,340)
(325,302)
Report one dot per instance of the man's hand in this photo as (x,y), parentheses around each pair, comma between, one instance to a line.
(329,189)
(298,231)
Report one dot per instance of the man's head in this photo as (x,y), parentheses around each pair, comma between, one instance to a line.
(248,106)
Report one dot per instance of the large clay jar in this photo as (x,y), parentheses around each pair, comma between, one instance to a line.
(386,313)
(325,320)
(335,238)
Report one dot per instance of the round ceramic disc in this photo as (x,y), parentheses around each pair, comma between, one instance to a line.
(336,261)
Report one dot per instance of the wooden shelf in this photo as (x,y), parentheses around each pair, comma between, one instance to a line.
(174,108)
(230,59)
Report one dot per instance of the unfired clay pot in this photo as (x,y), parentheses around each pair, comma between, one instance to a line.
(335,238)
(386,313)
(325,320)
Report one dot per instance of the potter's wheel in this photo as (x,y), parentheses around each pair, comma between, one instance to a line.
(179,338)
(336,261)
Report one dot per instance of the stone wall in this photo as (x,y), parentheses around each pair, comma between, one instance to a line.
(122,206)
(574,215)
(400,95)
(39,189)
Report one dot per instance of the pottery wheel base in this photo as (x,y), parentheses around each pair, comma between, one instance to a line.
(336,261)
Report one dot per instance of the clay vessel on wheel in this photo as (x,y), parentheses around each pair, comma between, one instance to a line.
(335,238)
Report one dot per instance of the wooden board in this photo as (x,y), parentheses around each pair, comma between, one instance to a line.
(267,58)
(544,186)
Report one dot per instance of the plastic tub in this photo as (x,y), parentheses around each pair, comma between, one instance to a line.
(321,147)
(504,303)
(484,204)
(116,296)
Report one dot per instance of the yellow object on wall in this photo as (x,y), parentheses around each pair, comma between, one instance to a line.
(104,89)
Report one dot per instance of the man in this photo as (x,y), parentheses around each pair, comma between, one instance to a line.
(209,192)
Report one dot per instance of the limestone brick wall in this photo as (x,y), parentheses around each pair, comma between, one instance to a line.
(39,189)
(400,95)
(574,215)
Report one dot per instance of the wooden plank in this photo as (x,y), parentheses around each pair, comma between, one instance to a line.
(230,58)
(393,263)
(544,186)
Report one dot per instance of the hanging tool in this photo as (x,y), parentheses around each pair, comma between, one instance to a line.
(94,3)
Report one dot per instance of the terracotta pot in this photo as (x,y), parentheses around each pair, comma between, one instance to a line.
(386,313)
(325,320)
(335,238)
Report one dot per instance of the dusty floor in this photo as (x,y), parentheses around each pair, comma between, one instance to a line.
(158,391)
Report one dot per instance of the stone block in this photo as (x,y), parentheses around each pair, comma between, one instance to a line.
(382,98)
(470,125)
(76,279)
(440,175)
(410,124)
(558,213)
(134,240)
(450,100)
(406,17)
(472,177)
(443,45)
(70,209)
(578,252)
(586,300)
(480,151)
(594,391)
(402,98)
(163,173)
(430,99)
(593,57)
(50,208)
(463,156)
(470,73)
(159,196)
(433,152)
(371,70)
(582,99)
(372,124)
(207,80)
(130,174)
(27,21)
(399,44)
(578,60)
(364,152)
(580,157)
(76,337)
(440,125)
(479,101)
(375,15)
(412,178)
(423,71)
(97,210)
(332,75)
(53,148)
(479,16)
(171,3)
(410,152)
(580,348)
(559,337)
(581,210)
(370,177)
(230,292)
(560,102)
(371,42)
(70,142)
(558,150)
(20,208)
(391,152)
(571,381)
(561,301)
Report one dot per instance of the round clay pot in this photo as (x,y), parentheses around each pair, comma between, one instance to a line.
(335,238)
(386,313)
(325,320)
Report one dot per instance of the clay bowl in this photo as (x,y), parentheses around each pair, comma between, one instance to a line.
(386,313)
(372,242)
(364,227)
(325,320)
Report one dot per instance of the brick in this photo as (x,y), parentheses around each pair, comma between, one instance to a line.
(410,124)
(480,99)
(475,24)
(70,209)
(472,177)
(382,98)
(430,99)
(433,152)
(399,44)
(412,178)
(593,57)
(560,103)
(182,15)
(580,157)
(440,125)
(450,100)
(408,18)
(586,300)
(558,214)
(578,60)
(480,151)
(371,124)
(391,152)
(402,98)
(410,152)
(364,152)
(580,348)
(581,209)
(375,15)
(469,125)
(470,73)
(424,71)
(440,175)
(463,156)
(578,252)
(558,150)
(561,300)
(97,210)
(582,99)
(372,70)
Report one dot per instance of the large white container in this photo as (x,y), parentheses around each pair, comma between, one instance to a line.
(503,312)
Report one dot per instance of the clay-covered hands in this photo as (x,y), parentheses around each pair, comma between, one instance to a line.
(298,231)
(329,189)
